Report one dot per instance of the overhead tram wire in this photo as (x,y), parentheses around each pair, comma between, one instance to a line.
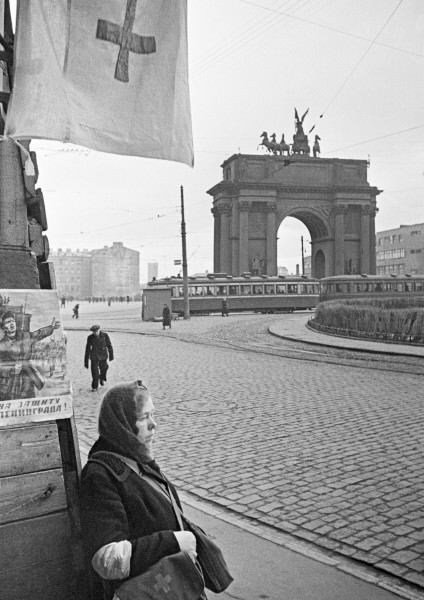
(232,48)
(334,29)
(240,35)
(376,139)
(359,62)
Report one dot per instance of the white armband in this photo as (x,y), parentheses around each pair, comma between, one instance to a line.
(113,560)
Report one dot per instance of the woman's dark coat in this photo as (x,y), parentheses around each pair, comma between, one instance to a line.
(122,506)
(166,316)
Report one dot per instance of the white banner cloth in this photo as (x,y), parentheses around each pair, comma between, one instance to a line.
(110,75)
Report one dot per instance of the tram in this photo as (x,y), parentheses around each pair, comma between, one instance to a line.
(247,293)
(369,286)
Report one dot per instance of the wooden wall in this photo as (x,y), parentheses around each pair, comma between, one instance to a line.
(40,535)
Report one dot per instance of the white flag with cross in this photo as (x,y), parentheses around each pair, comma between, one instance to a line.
(110,75)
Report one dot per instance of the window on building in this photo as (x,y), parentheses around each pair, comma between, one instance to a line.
(416,232)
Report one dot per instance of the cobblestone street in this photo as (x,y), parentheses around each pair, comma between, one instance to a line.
(326,452)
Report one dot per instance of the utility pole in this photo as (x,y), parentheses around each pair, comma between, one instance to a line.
(185,275)
(303,256)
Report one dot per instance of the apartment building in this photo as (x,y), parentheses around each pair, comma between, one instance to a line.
(401,250)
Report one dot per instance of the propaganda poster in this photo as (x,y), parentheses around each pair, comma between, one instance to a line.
(34,381)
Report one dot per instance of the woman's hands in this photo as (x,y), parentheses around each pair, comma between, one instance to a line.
(187,541)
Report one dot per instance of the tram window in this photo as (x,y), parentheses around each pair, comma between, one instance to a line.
(358,287)
(222,290)
(269,289)
(418,286)
(303,288)
(233,290)
(292,288)
(311,288)
(399,287)
(281,288)
(339,288)
(180,291)
(378,287)
(210,290)
(408,286)
(196,290)
(245,290)
(258,289)
(174,292)
(388,287)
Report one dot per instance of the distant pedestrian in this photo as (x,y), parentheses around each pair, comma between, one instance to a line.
(224,308)
(75,310)
(63,303)
(166,316)
(98,350)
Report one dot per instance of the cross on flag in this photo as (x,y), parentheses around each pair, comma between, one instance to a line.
(110,75)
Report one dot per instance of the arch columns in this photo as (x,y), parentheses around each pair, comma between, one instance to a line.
(339,239)
(225,230)
(365,239)
(216,239)
(244,208)
(271,239)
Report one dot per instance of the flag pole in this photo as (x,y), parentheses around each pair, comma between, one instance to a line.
(185,275)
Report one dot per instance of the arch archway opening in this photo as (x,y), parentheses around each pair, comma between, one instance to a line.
(289,248)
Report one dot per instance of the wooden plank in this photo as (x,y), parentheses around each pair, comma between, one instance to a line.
(32,494)
(37,560)
(29,448)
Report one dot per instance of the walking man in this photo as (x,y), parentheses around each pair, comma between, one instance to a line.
(98,350)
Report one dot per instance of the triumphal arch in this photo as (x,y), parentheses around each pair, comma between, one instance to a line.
(331,196)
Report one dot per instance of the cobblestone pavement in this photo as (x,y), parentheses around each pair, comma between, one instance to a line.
(330,453)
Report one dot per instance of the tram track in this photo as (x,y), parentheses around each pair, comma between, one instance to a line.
(254,342)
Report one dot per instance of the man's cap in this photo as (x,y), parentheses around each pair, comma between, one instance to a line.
(7,315)
(94,327)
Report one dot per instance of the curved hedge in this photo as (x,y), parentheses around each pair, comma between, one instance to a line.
(396,319)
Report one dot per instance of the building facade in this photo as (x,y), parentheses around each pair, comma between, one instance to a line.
(73,272)
(108,272)
(115,271)
(401,250)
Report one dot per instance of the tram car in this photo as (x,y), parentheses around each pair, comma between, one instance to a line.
(247,293)
(368,286)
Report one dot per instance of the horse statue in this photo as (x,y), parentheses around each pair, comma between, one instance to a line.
(316,149)
(283,146)
(270,146)
(279,148)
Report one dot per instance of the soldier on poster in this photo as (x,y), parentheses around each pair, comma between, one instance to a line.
(19,376)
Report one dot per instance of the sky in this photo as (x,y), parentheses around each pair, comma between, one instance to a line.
(358,64)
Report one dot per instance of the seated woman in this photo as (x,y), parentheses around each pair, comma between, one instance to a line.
(128,525)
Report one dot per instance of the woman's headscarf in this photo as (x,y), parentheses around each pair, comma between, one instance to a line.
(117,420)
